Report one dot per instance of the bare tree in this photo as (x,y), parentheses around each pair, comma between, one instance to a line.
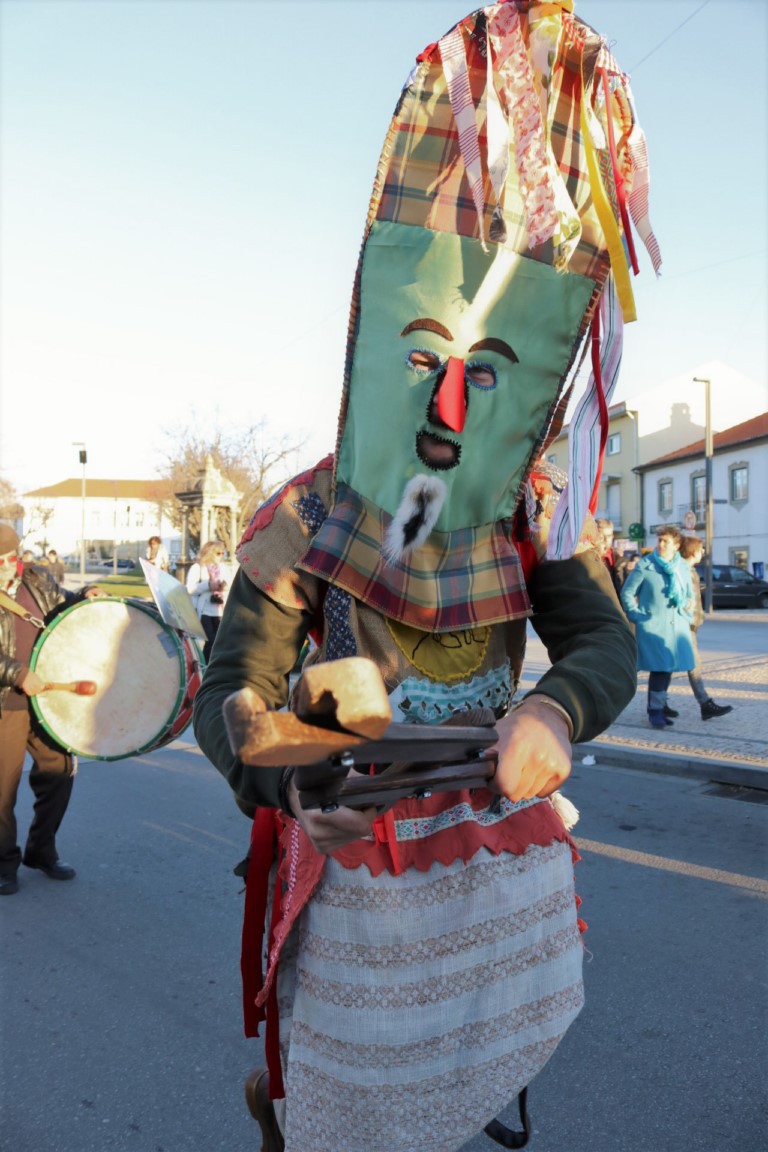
(255,466)
(36,523)
(10,507)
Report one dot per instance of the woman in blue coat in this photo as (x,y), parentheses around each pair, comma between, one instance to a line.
(657,597)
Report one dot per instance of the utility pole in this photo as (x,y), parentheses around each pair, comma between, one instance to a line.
(83,460)
(708,495)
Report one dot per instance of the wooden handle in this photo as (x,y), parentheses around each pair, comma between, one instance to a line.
(398,782)
(344,694)
(79,687)
(337,706)
(342,719)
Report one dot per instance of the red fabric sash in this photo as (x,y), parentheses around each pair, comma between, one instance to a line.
(265,831)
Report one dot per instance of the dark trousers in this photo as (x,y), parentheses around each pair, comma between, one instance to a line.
(658,683)
(50,778)
(210,627)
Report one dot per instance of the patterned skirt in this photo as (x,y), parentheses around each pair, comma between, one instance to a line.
(414,1008)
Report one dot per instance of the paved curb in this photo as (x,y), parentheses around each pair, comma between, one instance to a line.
(674,764)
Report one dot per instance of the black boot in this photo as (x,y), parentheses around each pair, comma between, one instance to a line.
(670,712)
(710,710)
(506,1136)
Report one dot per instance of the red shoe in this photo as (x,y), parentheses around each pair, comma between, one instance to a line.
(263,1111)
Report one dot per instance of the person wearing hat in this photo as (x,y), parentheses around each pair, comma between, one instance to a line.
(425,961)
(27,601)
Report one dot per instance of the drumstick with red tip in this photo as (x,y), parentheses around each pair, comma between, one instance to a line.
(79,687)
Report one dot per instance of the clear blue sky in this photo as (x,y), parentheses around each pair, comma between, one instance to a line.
(185,183)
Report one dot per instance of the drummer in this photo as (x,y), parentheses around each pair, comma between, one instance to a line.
(27,601)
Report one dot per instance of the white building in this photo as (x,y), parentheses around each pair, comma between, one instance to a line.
(674,485)
(660,420)
(115,517)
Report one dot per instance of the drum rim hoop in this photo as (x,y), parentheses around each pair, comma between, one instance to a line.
(159,738)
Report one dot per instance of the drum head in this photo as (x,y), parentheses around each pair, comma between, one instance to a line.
(139,667)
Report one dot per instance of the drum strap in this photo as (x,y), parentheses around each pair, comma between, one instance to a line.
(8,602)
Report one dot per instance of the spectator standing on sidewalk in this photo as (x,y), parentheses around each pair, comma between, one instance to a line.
(156,553)
(55,566)
(658,599)
(607,555)
(208,583)
(692,550)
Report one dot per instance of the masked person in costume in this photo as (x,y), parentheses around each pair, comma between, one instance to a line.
(29,598)
(423,963)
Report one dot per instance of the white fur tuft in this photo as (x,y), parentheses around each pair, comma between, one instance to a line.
(422,499)
(568,812)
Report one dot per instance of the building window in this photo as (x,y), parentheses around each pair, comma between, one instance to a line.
(739,483)
(699,496)
(613,447)
(665,497)
(739,557)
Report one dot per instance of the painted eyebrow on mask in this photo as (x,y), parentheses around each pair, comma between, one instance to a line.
(494,345)
(427,325)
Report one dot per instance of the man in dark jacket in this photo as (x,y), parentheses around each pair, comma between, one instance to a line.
(36,595)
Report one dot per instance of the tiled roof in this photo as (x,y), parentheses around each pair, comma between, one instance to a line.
(744,433)
(151,490)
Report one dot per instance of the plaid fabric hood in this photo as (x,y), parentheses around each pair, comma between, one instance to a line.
(497,239)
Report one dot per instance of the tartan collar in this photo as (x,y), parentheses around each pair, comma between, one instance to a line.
(455,581)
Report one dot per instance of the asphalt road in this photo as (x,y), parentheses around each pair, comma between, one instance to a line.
(120,1018)
(733,632)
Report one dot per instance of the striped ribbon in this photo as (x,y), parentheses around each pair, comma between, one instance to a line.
(585,431)
(641,180)
(611,232)
(455,68)
(497,131)
(618,178)
(513,67)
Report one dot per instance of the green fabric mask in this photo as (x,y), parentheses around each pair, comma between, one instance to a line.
(499,337)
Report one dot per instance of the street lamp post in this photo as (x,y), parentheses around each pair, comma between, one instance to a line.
(83,460)
(708,495)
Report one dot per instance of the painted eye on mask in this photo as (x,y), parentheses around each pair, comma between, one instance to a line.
(422,361)
(482,376)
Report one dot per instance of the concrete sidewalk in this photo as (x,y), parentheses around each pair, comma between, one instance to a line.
(730,750)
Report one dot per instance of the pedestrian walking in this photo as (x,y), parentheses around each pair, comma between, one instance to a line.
(658,599)
(692,550)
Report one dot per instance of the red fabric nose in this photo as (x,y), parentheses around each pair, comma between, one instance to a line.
(451,407)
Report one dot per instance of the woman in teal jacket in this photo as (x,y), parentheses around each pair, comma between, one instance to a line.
(657,597)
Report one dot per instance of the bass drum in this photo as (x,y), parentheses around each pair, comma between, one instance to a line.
(146,677)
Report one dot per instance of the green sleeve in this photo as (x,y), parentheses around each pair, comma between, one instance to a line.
(588,639)
(256,646)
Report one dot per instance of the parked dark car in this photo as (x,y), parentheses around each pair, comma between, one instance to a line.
(733,587)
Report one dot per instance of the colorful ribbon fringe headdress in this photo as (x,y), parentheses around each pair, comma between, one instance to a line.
(497,251)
